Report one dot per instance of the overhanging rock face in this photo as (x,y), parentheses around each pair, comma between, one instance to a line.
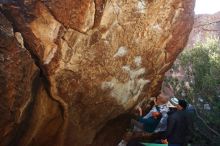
(97,58)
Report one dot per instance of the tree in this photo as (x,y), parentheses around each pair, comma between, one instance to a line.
(201,87)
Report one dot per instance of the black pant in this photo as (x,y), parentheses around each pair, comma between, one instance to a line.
(134,143)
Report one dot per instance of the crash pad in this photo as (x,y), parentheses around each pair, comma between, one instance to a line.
(154,144)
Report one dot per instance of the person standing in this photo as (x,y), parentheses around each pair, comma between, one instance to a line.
(178,125)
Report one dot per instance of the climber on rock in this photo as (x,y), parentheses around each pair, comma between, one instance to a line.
(155,120)
(152,125)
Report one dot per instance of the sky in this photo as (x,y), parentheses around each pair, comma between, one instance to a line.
(207,6)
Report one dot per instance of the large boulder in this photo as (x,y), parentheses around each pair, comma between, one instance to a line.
(98,59)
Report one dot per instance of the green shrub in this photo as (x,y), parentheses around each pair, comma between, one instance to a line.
(201,85)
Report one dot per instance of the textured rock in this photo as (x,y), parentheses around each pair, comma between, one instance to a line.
(17,74)
(100,59)
(25,107)
(205,26)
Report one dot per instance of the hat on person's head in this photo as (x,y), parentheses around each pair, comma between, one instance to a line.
(173,102)
(183,103)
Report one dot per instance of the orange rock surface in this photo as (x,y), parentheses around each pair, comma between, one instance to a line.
(97,59)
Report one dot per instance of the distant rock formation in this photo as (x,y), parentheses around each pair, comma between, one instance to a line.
(70,69)
(205,26)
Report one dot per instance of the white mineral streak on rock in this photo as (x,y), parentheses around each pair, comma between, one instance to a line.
(141,6)
(22,110)
(122,51)
(130,90)
(107,85)
(138,61)
(19,38)
(140,85)
(177,15)
(116,8)
(50,55)
(136,73)
(157,27)
(126,68)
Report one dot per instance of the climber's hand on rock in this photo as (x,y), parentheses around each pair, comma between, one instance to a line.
(139,110)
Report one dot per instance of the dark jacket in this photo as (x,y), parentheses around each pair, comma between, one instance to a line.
(178,127)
